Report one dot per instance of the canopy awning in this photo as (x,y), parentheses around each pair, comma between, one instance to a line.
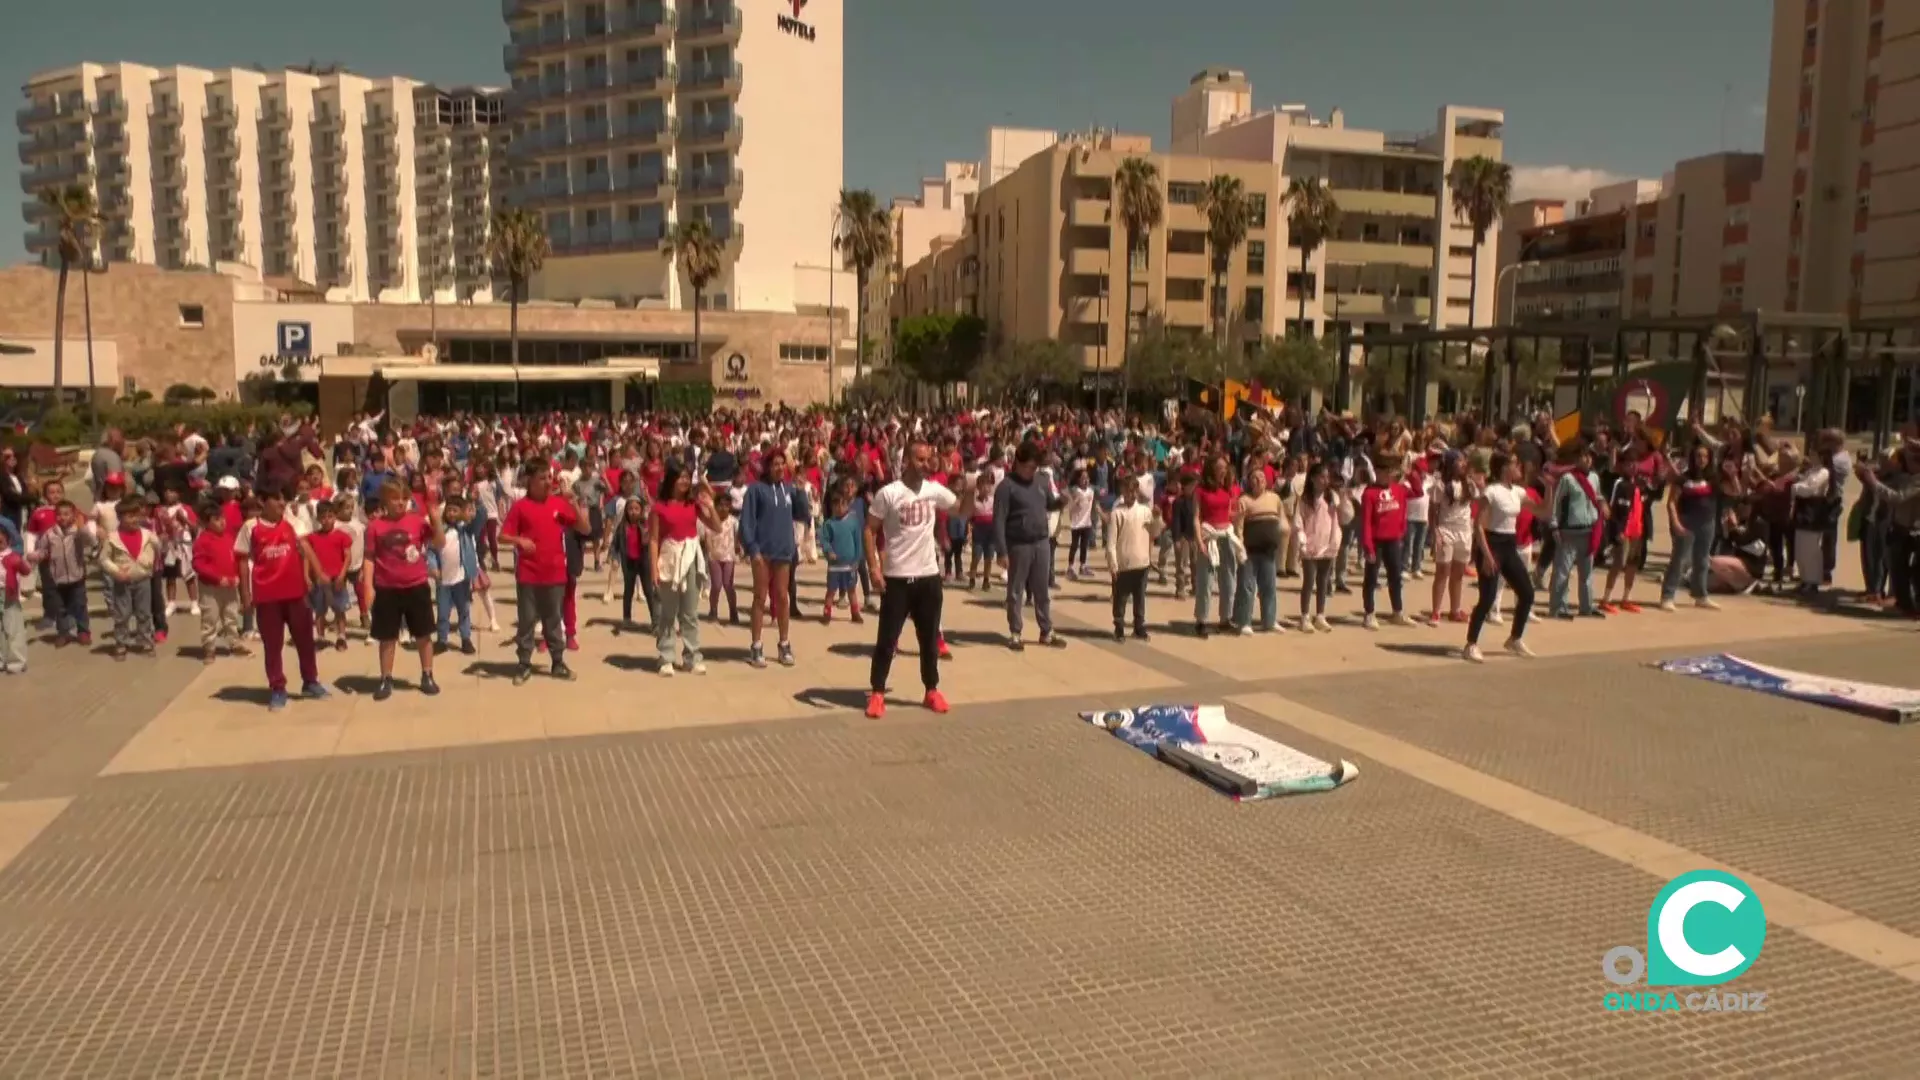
(401,369)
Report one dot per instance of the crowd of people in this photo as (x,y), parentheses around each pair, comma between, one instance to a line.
(279,536)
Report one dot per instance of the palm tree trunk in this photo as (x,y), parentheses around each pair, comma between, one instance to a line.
(1301,322)
(513,336)
(697,305)
(860,327)
(1473,309)
(86,314)
(1126,334)
(59,337)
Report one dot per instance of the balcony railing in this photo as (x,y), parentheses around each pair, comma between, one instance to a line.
(712,181)
(643,180)
(707,129)
(56,173)
(639,235)
(596,183)
(37,112)
(709,21)
(646,20)
(703,76)
(588,81)
(644,128)
(643,75)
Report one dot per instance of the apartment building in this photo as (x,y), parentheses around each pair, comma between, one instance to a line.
(632,115)
(1042,254)
(1635,249)
(306,175)
(1837,217)
(939,211)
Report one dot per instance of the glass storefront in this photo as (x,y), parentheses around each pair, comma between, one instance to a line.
(491,398)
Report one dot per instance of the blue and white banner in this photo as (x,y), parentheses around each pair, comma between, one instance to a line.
(1199,739)
(1889,703)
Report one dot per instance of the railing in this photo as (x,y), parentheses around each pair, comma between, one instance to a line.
(712,180)
(646,128)
(704,75)
(643,74)
(595,183)
(645,20)
(38,111)
(700,129)
(643,180)
(640,234)
(709,21)
(110,104)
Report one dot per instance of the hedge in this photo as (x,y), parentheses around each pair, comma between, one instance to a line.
(65,427)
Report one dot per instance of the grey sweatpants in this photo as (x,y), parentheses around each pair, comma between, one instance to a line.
(540,603)
(1028,568)
(131,605)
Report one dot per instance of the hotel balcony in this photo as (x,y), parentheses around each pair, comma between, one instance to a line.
(40,144)
(41,111)
(648,22)
(531,91)
(109,133)
(640,132)
(57,173)
(709,24)
(644,78)
(1365,252)
(638,235)
(1090,310)
(1374,306)
(589,83)
(712,184)
(587,135)
(218,114)
(1386,203)
(1082,260)
(710,78)
(646,183)
(1091,213)
(709,132)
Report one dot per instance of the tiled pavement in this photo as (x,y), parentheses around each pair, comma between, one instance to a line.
(711,891)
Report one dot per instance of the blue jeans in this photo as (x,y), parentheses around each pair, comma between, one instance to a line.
(457,597)
(1348,534)
(1873,556)
(1216,567)
(1691,554)
(1259,575)
(1573,549)
(1416,544)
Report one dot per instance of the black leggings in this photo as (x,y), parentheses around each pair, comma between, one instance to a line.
(1316,575)
(918,599)
(1507,560)
(1079,546)
(1391,554)
(1780,550)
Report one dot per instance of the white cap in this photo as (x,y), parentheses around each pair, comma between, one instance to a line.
(228,483)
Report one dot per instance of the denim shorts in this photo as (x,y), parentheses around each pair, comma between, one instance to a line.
(983,542)
(324,597)
(840,580)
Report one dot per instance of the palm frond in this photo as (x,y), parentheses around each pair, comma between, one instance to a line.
(698,251)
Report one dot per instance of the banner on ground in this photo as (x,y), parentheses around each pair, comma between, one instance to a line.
(1655,391)
(1890,703)
(1199,739)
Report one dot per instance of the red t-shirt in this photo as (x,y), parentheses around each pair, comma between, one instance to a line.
(274,551)
(330,549)
(213,560)
(545,523)
(678,520)
(398,548)
(230,510)
(1215,505)
(135,539)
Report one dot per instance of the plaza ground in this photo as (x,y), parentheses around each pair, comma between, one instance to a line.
(739,875)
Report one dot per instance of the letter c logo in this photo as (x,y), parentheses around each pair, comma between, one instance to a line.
(1724,912)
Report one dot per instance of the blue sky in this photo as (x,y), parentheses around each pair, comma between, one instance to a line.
(1622,88)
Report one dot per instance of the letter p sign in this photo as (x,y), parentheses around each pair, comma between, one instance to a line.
(295,339)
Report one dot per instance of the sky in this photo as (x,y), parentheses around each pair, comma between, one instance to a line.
(1592,91)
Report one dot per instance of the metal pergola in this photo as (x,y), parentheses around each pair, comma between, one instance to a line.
(1833,347)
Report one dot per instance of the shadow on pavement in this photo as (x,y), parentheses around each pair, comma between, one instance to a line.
(835,698)
(245,695)
(1437,651)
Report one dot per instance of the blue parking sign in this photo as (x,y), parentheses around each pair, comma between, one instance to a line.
(296,339)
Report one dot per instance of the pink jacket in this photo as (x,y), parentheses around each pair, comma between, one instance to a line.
(1316,527)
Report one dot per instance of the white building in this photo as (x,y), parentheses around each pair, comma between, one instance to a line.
(334,178)
(633,115)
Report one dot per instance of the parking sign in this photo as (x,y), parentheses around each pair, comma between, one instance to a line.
(296,339)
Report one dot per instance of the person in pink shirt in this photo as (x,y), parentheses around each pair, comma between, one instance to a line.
(396,568)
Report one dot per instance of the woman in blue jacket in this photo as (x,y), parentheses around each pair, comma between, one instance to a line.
(768,516)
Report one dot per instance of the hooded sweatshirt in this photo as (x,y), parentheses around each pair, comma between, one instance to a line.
(1383,515)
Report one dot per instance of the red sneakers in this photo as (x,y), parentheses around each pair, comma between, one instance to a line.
(945,653)
(935,702)
(826,615)
(573,644)
(876,705)
(159,637)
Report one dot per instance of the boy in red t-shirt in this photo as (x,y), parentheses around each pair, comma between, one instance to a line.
(277,569)
(217,569)
(397,543)
(331,593)
(536,529)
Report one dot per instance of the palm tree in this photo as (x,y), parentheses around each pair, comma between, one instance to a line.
(863,235)
(1481,187)
(1140,207)
(77,220)
(1312,218)
(699,251)
(1229,214)
(518,248)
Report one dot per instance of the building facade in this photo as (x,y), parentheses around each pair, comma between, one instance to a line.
(1837,216)
(332,178)
(1043,254)
(939,212)
(633,115)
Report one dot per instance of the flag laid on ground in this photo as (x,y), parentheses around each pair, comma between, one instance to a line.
(1199,739)
(1890,703)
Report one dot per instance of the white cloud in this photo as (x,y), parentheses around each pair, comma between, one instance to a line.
(1568,182)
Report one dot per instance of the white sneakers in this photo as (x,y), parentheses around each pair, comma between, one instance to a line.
(1472,654)
(1321,624)
(1519,648)
(1706,603)
(1370,623)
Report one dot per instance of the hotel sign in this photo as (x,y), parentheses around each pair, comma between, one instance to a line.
(792,24)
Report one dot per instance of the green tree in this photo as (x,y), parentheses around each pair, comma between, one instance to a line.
(1163,359)
(940,349)
(863,235)
(1229,213)
(518,248)
(76,218)
(1313,216)
(699,254)
(1141,206)
(1535,370)
(1481,188)
(1018,370)
(1293,367)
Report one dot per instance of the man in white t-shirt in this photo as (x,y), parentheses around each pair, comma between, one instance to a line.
(904,544)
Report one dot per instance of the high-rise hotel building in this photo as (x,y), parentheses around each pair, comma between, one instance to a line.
(379,188)
(632,115)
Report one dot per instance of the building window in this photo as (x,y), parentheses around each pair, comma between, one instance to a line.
(1186,290)
(1257,210)
(1185,194)
(193,316)
(1256,256)
(1253,307)
(803,354)
(1813,36)
(1298,284)
(1139,258)
(1186,242)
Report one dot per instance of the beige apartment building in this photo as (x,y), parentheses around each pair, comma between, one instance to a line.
(1635,249)
(1837,217)
(352,183)
(1042,255)
(940,210)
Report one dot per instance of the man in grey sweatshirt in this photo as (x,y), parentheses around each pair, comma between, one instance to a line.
(1020,526)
